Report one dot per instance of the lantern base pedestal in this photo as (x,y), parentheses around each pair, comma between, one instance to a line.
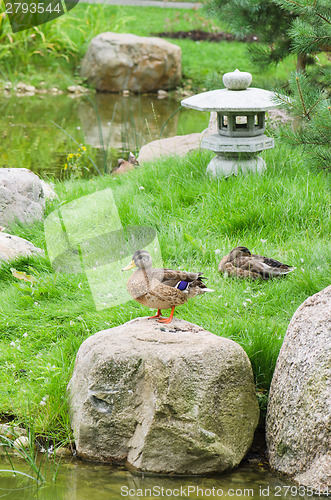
(224,167)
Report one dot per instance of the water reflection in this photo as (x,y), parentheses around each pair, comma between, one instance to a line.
(127,121)
(78,480)
(29,139)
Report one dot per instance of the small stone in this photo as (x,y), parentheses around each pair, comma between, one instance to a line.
(63,452)
(10,431)
(30,88)
(23,87)
(22,442)
(12,247)
(162,94)
(76,89)
(19,86)
(185,93)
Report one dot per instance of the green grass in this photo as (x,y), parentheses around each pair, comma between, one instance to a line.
(284,213)
(52,52)
(204,64)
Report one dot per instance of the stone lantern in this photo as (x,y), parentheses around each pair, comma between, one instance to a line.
(240,123)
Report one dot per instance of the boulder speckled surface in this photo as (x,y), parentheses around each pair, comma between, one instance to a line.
(21,196)
(298,418)
(115,62)
(165,398)
(12,247)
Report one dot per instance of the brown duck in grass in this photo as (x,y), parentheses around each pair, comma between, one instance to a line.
(240,262)
(161,288)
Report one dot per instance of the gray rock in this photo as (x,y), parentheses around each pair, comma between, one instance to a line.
(115,62)
(77,89)
(22,442)
(171,146)
(165,398)
(23,87)
(63,452)
(12,247)
(21,196)
(49,192)
(298,418)
(11,431)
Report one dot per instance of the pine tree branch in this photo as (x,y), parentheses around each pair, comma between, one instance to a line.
(288,104)
(317,102)
(301,97)
(317,13)
(322,17)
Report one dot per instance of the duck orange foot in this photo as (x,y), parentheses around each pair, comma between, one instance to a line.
(157,315)
(168,320)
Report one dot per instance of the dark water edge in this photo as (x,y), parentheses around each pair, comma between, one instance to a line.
(29,139)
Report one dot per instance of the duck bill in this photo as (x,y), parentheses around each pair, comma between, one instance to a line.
(129,266)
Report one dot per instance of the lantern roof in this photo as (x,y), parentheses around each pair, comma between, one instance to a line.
(250,100)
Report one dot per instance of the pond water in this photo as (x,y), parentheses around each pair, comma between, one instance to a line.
(29,139)
(78,480)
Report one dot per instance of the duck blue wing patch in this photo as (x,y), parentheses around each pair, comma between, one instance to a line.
(182,285)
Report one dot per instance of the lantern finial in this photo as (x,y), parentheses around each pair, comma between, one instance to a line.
(237,80)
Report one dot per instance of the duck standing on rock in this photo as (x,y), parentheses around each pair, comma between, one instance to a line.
(240,262)
(161,288)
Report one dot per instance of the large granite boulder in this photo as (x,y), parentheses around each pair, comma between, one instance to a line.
(298,418)
(21,196)
(115,62)
(163,398)
(12,247)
